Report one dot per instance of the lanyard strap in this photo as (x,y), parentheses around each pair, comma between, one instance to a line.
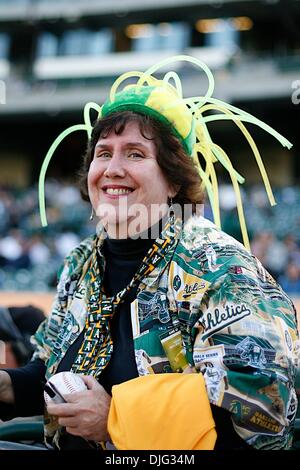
(97,346)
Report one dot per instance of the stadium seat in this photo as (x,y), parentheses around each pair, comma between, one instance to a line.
(22,431)
(22,434)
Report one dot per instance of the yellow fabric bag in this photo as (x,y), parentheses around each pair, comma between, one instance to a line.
(162,412)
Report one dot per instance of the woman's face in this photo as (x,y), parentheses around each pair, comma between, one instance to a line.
(126,185)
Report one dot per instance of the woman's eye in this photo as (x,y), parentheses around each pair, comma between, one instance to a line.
(135,155)
(103,155)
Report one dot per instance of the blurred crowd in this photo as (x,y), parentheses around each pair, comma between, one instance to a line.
(30,256)
(274,232)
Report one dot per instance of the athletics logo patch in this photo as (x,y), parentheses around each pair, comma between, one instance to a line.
(220,318)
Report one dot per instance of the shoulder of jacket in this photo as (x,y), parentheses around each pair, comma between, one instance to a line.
(204,241)
(199,232)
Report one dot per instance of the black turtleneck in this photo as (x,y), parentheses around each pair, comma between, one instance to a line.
(123,258)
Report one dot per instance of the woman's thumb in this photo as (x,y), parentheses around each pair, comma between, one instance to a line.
(89,381)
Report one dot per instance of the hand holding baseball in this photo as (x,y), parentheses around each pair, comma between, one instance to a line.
(85,413)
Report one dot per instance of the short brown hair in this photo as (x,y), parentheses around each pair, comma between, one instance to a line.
(177,166)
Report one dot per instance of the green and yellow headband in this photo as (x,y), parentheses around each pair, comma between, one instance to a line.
(160,102)
(188,120)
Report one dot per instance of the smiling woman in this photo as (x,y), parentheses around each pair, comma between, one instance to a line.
(130,172)
(132,169)
(183,339)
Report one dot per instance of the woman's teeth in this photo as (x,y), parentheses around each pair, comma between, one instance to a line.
(117,191)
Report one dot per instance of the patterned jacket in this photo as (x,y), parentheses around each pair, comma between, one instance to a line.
(211,306)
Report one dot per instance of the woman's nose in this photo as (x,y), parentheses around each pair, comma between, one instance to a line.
(115,168)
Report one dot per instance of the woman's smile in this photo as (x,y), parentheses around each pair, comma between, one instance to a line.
(114,191)
(125,178)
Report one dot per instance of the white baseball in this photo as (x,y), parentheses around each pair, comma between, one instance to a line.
(65,383)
